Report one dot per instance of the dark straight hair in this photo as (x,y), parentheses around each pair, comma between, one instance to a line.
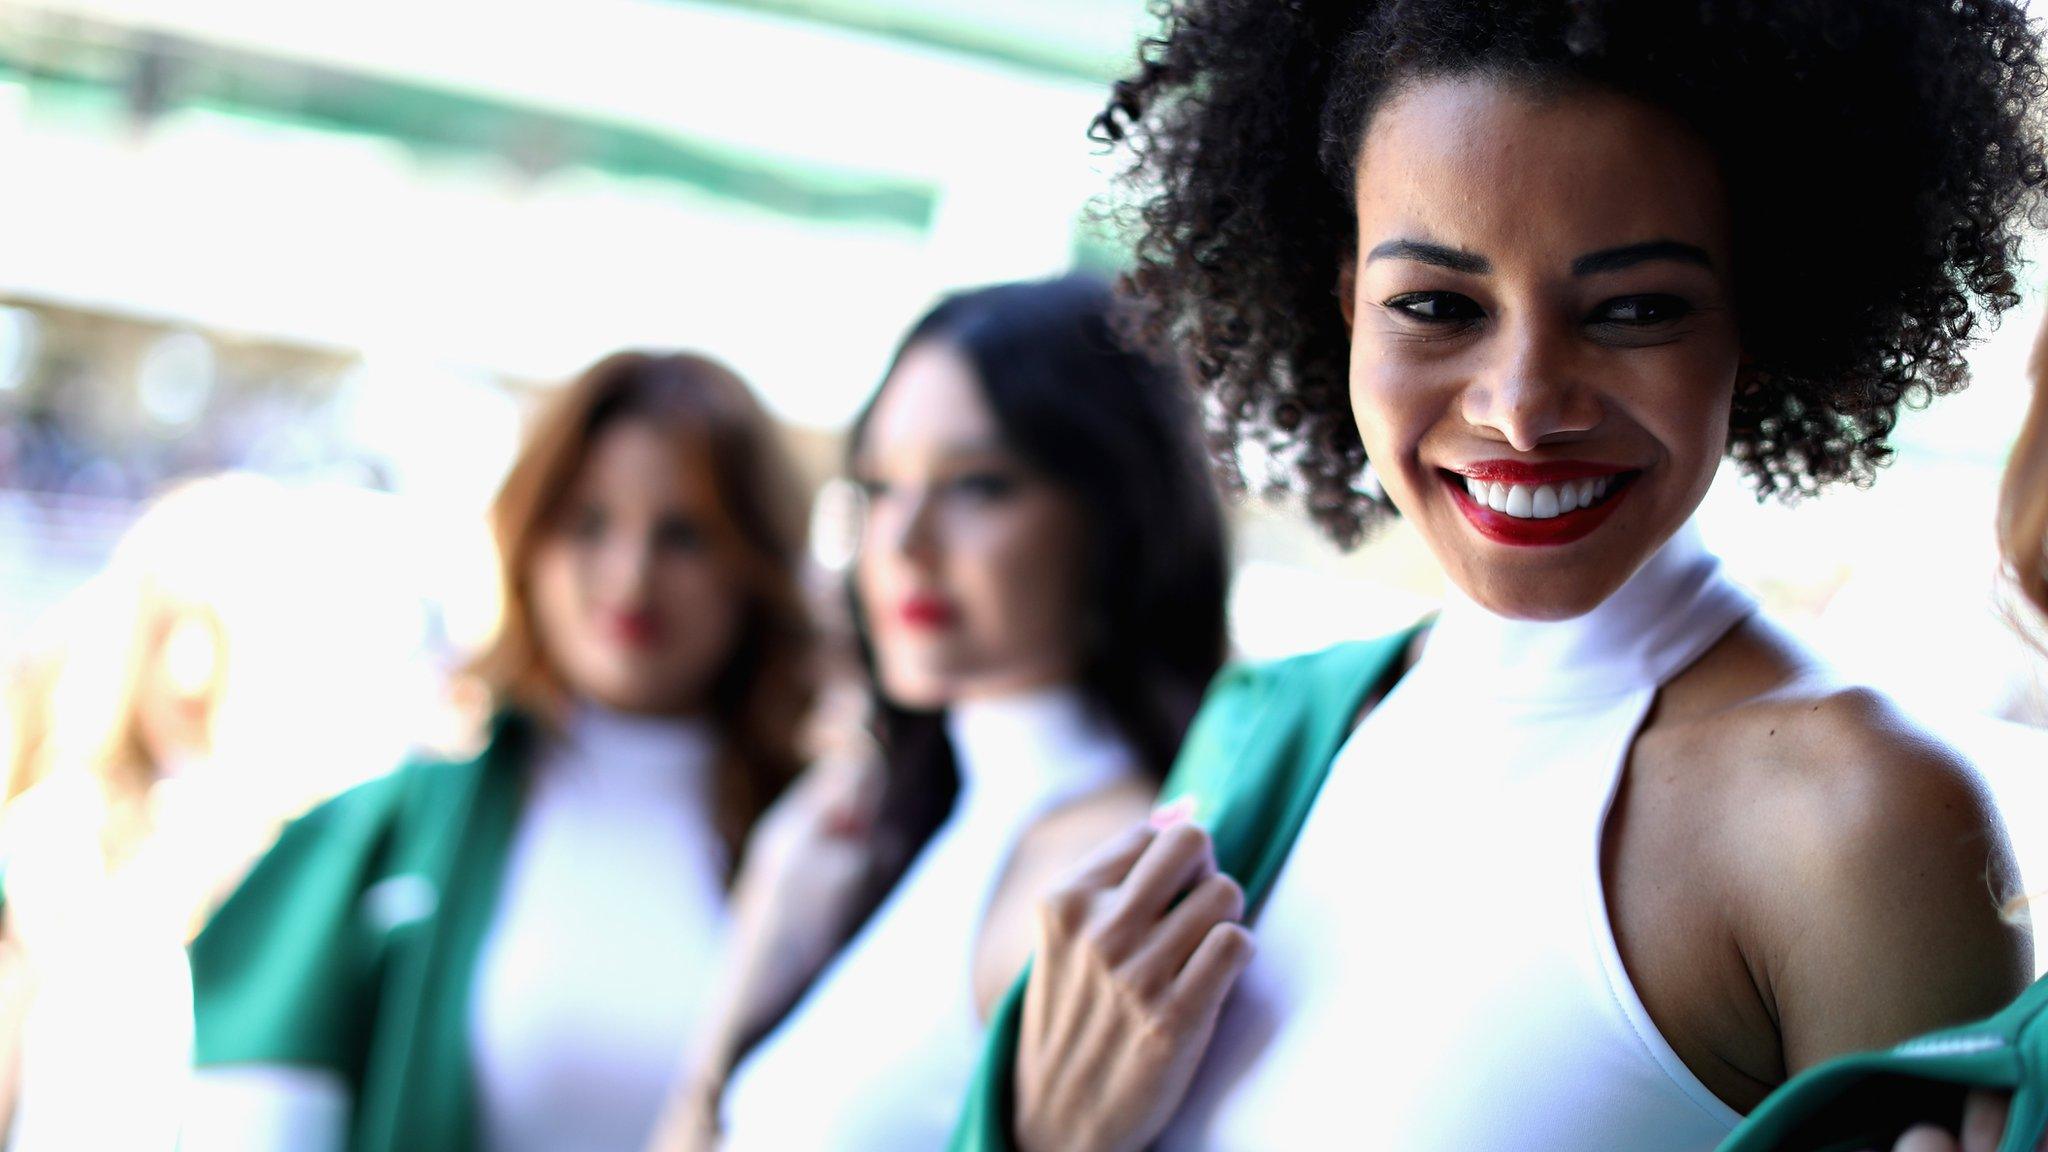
(1117,429)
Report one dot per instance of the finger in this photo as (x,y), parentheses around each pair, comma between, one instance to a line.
(1037,1017)
(1111,863)
(1159,960)
(1174,812)
(1066,911)
(1925,1138)
(1198,992)
(1984,1118)
(1176,859)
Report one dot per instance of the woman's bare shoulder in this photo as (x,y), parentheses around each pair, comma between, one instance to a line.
(1869,860)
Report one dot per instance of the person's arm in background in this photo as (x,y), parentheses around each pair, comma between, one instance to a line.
(804,865)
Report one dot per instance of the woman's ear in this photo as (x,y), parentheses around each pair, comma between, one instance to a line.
(1347,287)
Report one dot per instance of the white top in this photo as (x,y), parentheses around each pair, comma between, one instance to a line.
(596,972)
(1435,967)
(879,1053)
(113,1004)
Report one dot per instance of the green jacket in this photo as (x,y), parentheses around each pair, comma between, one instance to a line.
(351,946)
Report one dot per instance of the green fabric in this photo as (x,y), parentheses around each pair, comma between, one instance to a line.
(1865,1100)
(351,946)
(1252,764)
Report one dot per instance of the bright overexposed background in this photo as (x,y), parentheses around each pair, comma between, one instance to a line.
(344,246)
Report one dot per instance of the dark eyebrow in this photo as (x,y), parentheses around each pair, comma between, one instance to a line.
(1455,259)
(1630,255)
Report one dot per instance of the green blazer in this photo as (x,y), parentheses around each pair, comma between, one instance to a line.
(351,946)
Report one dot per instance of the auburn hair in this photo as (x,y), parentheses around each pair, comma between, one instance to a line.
(760,698)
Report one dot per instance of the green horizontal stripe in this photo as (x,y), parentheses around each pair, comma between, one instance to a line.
(94,82)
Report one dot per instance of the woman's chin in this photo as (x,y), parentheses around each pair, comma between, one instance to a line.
(1543,597)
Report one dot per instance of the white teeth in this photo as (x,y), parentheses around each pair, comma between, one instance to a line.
(1537,502)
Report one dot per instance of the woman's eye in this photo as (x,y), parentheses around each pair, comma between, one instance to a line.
(870,489)
(1639,311)
(679,535)
(982,485)
(1436,307)
(587,524)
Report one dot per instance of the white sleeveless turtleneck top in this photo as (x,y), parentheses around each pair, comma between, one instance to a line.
(598,967)
(1435,969)
(878,1054)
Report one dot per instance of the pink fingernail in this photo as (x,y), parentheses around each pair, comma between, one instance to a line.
(1180,811)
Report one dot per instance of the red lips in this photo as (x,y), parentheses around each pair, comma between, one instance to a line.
(1518,531)
(926,611)
(1533,472)
(633,629)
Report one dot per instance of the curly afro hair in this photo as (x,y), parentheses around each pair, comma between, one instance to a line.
(1881,159)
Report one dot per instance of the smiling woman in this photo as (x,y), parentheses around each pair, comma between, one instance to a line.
(1600,856)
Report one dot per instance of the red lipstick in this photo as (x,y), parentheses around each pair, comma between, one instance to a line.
(1531,472)
(633,629)
(1521,531)
(925,611)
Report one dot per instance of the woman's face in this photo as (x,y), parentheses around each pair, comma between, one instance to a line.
(970,565)
(1544,347)
(635,601)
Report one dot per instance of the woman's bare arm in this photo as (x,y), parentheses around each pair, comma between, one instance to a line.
(1880,873)
(791,900)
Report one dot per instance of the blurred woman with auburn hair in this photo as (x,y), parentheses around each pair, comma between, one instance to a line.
(504,952)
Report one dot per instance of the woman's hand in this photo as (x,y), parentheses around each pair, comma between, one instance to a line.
(1984,1118)
(1136,954)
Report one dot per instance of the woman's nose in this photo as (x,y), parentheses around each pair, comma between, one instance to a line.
(1530,389)
(909,524)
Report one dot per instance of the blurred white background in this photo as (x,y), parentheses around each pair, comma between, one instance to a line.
(343,245)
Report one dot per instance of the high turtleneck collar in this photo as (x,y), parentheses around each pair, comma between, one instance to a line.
(623,746)
(1666,616)
(1035,747)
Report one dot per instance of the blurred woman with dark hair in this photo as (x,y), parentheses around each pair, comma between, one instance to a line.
(1039,592)
(509,952)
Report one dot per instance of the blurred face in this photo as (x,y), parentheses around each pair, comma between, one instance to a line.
(970,566)
(180,687)
(634,601)
(1544,350)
